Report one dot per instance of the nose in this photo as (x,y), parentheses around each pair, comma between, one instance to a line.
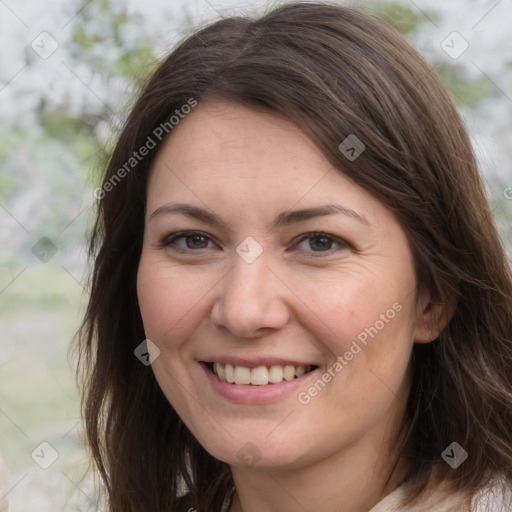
(251,300)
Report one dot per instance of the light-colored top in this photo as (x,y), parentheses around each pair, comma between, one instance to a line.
(492,499)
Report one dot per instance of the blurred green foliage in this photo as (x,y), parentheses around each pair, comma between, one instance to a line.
(108,41)
(469,93)
(407,20)
(401,16)
(100,27)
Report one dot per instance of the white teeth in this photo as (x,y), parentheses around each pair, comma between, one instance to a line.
(289,372)
(229,372)
(219,370)
(275,374)
(259,376)
(242,375)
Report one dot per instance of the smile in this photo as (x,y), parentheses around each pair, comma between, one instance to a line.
(259,375)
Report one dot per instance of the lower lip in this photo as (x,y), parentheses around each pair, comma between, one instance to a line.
(250,394)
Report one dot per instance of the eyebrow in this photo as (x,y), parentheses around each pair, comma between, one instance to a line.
(283,219)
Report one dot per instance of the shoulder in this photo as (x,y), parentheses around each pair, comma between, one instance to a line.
(495,498)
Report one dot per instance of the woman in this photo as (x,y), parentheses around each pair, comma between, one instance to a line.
(299,299)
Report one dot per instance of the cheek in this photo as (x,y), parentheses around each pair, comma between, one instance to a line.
(172,302)
(367,325)
(169,300)
(343,305)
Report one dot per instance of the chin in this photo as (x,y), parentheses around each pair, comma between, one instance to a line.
(259,454)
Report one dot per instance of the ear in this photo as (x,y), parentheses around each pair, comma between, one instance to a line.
(433,317)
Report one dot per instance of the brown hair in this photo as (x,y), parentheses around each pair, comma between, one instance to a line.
(334,71)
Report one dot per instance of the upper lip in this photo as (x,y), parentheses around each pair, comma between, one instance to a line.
(253,362)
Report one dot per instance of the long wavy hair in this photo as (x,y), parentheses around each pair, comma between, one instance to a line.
(333,71)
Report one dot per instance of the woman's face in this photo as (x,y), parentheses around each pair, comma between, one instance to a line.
(265,265)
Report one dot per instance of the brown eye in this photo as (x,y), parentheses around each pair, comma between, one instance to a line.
(196,242)
(321,243)
(184,241)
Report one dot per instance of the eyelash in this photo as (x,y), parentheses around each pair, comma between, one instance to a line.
(342,245)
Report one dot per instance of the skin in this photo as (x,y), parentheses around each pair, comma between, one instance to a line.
(299,299)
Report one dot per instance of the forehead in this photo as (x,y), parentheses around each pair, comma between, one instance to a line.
(220,133)
(227,155)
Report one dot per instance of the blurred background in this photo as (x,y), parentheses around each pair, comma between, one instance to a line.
(69,71)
